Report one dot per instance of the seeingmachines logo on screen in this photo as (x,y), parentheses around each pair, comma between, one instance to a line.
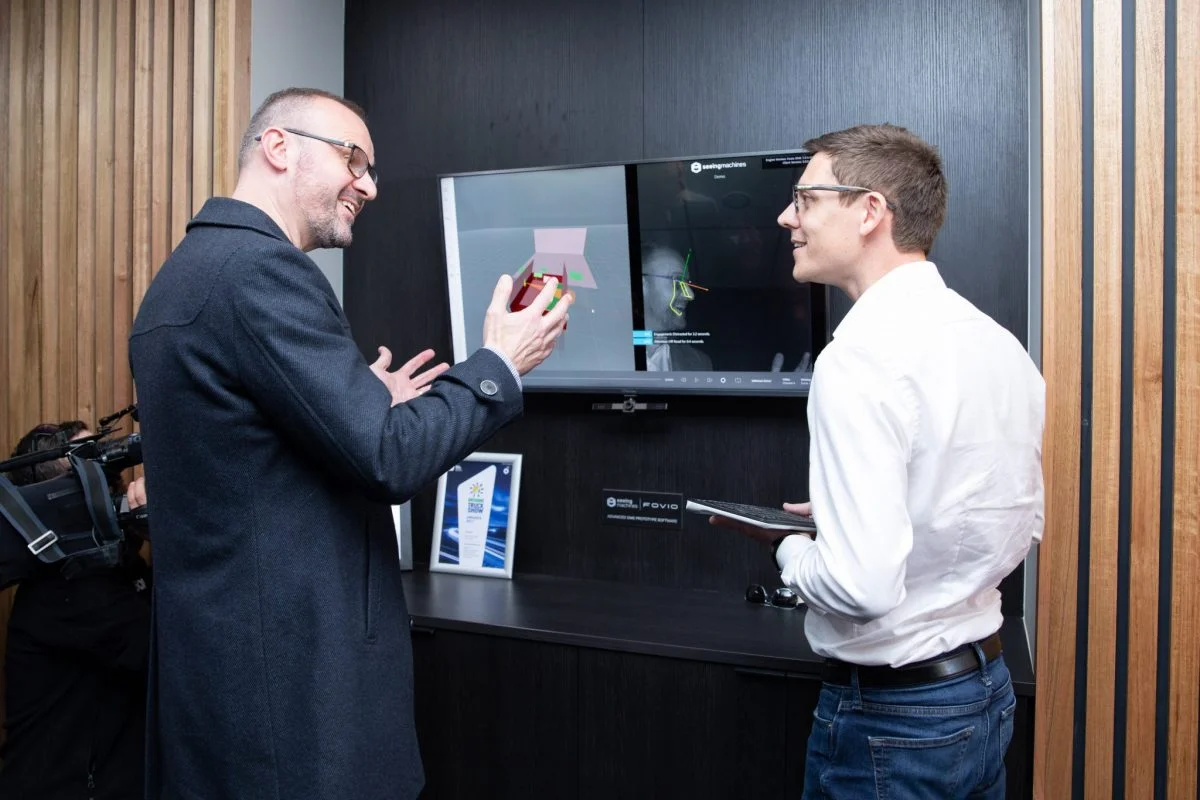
(698,167)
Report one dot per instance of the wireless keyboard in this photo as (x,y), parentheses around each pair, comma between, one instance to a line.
(762,516)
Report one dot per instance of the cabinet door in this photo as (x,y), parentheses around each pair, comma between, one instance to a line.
(661,727)
(495,716)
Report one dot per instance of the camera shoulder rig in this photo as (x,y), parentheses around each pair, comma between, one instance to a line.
(87,534)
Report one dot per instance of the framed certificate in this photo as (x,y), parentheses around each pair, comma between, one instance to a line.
(475,522)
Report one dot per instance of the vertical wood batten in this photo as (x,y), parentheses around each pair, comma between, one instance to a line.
(106,90)
(1057,564)
(1184,718)
(85,285)
(47,264)
(140,243)
(67,149)
(5,49)
(6,421)
(161,144)
(28,313)
(202,102)
(181,120)
(231,69)
(1147,398)
(1106,396)
(123,245)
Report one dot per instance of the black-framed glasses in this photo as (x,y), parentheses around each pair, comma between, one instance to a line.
(782,597)
(358,164)
(801,188)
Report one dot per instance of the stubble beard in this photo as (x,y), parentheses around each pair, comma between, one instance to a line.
(326,228)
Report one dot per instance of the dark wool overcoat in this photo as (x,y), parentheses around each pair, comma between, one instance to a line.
(281,663)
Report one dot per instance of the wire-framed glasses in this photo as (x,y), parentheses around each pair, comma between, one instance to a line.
(358,164)
(800,188)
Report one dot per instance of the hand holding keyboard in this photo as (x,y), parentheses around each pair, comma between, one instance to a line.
(761,516)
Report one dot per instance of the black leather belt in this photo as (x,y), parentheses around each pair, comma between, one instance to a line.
(939,668)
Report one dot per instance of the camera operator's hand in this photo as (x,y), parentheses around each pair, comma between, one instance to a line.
(136,496)
(402,383)
(527,336)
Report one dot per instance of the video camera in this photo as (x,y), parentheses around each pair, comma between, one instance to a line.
(74,520)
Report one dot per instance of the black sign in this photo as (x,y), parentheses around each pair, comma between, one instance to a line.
(642,509)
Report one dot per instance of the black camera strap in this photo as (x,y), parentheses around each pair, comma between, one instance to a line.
(95,492)
(40,540)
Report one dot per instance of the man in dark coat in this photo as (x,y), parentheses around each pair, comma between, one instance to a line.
(281,659)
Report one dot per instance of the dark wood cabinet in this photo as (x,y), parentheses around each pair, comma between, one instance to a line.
(541,687)
(659,727)
(507,718)
(496,717)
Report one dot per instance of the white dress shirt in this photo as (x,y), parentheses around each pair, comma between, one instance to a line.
(925,419)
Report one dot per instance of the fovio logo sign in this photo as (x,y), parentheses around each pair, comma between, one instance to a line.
(660,506)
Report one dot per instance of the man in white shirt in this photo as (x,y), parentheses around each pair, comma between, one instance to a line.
(925,482)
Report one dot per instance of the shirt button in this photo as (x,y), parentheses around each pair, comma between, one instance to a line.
(489,387)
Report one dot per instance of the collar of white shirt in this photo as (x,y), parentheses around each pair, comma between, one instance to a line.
(894,288)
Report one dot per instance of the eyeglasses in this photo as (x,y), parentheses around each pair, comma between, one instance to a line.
(801,188)
(782,597)
(359,164)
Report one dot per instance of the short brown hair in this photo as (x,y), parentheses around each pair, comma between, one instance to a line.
(901,166)
(283,106)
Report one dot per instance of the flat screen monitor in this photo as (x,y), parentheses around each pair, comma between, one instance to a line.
(680,275)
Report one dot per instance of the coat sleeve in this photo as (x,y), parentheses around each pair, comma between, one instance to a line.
(297,360)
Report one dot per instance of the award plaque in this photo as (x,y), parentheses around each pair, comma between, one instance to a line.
(475,522)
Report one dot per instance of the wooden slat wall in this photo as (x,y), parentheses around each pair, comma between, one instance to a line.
(1118,703)
(121,118)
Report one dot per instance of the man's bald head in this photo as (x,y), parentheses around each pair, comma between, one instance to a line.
(287,107)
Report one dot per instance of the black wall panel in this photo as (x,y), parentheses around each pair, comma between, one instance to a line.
(770,74)
(467,85)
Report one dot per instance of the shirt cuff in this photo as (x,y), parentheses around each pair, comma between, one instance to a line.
(790,547)
(516,375)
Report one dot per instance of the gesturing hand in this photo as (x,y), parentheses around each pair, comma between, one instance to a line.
(401,382)
(527,336)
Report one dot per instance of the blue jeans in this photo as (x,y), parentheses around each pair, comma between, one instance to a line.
(939,740)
